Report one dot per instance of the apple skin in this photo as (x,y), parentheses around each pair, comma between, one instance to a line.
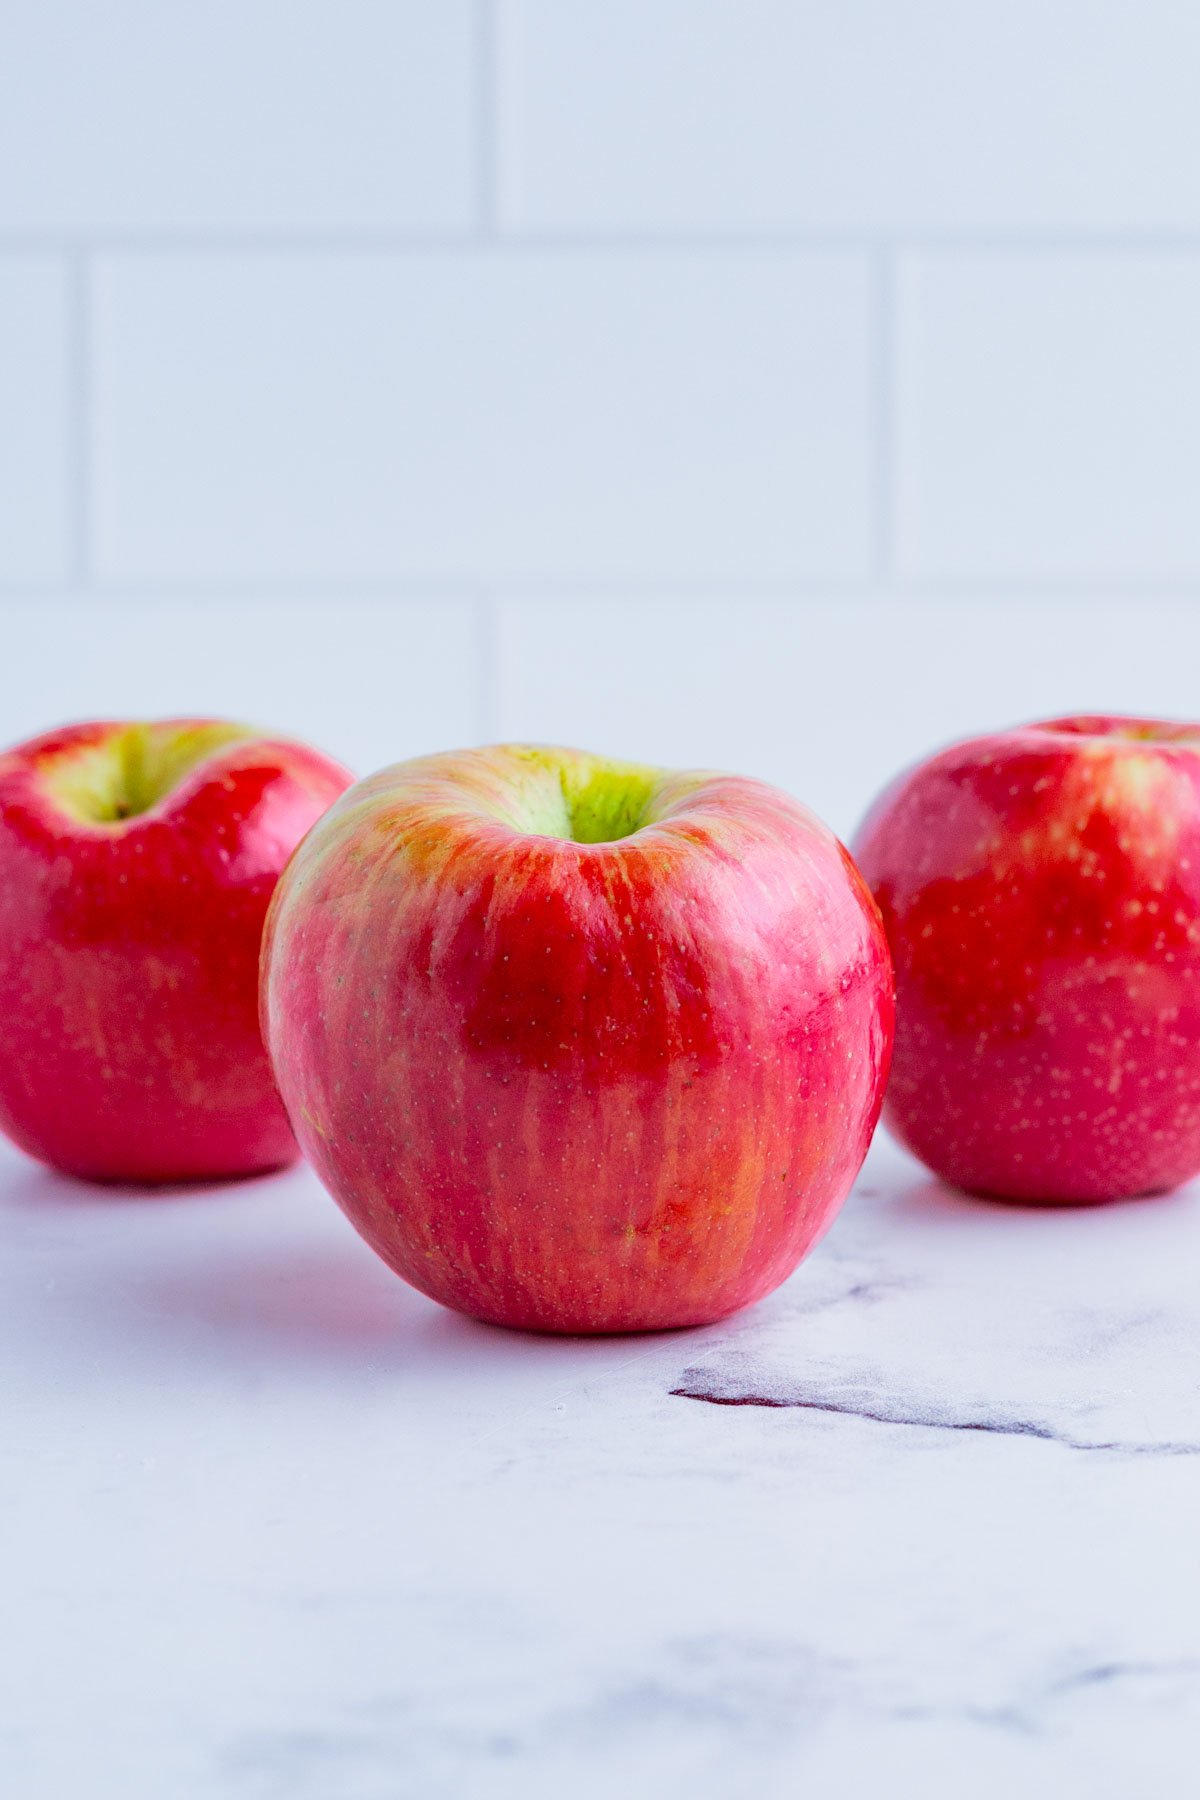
(582,1086)
(1041,893)
(129,1039)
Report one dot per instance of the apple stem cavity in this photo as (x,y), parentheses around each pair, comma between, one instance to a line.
(113,780)
(583,799)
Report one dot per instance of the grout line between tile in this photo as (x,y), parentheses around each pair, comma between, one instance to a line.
(79,417)
(486,118)
(805,591)
(882,413)
(517,240)
(487,628)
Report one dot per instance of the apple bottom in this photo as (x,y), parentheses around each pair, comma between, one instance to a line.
(1016,1136)
(169,1146)
(121,1065)
(173,1173)
(596,1310)
(590,1316)
(538,1205)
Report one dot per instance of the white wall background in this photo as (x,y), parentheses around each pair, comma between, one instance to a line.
(784,386)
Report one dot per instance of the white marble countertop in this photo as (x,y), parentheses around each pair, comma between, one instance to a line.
(275,1526)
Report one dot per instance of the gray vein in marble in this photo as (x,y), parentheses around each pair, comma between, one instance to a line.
(1101,1674)
(712,1698)
(708,1691)
(717,1389)
(1027,1716)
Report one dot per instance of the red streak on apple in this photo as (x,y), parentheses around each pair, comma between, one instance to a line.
(604,1085)
(136,866)
(1041,893)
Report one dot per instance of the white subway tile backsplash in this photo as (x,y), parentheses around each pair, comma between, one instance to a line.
(828,698)
(236,115)
(547,297)
(760,114)
(368,681)
(35,446)
(1048,416)
(658,416)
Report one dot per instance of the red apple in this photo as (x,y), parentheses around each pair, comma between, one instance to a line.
(578,1045)
(136,866)
(1041,893)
